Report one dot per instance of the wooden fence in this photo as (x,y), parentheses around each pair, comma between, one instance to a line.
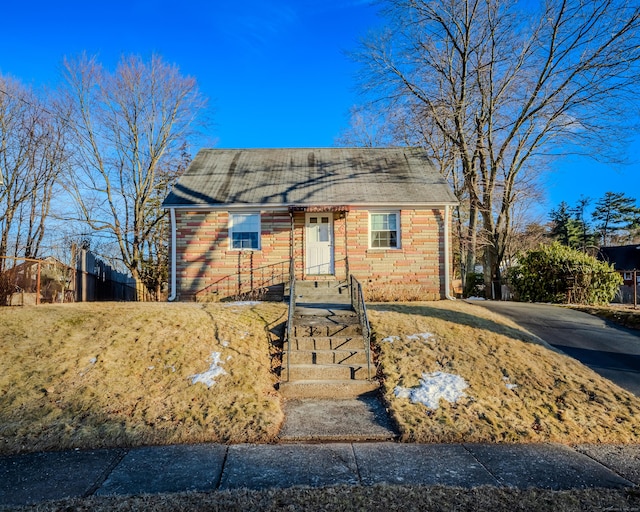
(25,281)
(28,281)
(96,280)
(630,289)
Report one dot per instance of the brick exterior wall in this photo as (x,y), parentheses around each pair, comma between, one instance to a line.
(204,256)
(414,270)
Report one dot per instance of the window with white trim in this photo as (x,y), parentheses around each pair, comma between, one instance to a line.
(244,230)
(384,230)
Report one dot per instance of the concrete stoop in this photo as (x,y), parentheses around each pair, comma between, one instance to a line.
(325,356)
(332,419)
(332,291)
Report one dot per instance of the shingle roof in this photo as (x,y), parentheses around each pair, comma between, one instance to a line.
(305,177)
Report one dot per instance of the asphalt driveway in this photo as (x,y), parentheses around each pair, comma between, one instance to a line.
(610,350)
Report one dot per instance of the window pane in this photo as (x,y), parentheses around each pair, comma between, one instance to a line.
(245,230)
(380,239)
(377,221)
(245,240)
(384,230)
(391,221)
(245,221)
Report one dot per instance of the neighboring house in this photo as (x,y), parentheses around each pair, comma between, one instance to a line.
(48,277)
(383,215)
(625,259)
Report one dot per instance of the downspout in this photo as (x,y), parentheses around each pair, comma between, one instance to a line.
(174,291)
(447,255)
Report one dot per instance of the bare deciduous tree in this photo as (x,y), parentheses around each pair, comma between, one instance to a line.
(129,129)
(32,159)
(502,89)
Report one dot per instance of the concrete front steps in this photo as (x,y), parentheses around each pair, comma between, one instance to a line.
(325,356)
(323,292)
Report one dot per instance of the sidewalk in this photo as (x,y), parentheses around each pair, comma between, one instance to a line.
(32,478)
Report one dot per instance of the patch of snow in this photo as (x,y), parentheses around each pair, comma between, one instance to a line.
(508,384)
(425,336)
(475,298)
(434,386)
(208,377)
(243,303)
(225,343)
(150,367)
(401,392)
(421,336)
(93,360)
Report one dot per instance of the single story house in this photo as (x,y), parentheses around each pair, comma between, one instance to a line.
(250,217)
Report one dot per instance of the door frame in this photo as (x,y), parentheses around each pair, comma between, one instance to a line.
(331,245)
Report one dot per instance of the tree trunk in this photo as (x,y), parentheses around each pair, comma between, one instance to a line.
(492,274)
(471,252)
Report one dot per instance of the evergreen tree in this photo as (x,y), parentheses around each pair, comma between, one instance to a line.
(585,234)
(565,228)
(615,213)
(559,274)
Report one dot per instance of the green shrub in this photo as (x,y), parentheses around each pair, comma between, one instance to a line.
(475,285)
(558,274)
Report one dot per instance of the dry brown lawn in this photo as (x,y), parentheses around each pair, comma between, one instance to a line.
(119,375)
(519,390)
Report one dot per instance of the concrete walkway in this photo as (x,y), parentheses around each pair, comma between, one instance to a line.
(360,419)
(38,477)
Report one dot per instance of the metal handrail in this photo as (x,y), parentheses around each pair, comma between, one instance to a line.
(256,278)
(359,306)
(292,307)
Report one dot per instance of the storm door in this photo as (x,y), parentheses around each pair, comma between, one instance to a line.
(319,243)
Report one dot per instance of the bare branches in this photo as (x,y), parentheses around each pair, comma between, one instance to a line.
(502,87)
(32,158)
(129,130)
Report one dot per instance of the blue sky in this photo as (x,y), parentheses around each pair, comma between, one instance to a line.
(275,71)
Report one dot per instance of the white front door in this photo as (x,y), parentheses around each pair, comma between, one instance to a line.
(319,243)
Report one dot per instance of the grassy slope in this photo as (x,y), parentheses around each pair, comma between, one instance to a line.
(138,391)
(117,374)
(556,399)
(52,396)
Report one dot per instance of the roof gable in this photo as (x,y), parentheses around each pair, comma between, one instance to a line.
(299,177)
